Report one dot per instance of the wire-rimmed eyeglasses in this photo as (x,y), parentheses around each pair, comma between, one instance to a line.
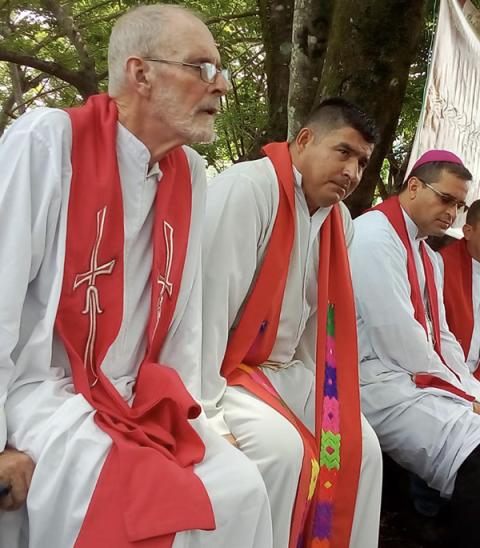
(447,199)
(208,71)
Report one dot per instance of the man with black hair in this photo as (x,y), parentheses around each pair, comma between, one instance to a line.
(460,266)
(280,366)
(416,389)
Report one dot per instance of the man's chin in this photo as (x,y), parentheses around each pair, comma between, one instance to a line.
(202,136)
(332,200)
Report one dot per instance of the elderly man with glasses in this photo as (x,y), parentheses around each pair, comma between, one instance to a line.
(417,391)
(100,326)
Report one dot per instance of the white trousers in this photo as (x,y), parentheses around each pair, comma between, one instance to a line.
(70,450)
(270,441)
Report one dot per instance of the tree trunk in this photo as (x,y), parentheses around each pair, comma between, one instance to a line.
(276,19)
(311,24)
(370,50)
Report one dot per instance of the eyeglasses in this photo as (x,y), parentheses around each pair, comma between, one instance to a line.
(447,199)
(208,71)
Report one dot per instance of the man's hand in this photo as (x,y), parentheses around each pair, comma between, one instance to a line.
(476,407)
(16,470)
(231,439)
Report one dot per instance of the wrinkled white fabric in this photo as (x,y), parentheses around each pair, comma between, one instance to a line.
(449,118)
(45,417)
(428,431)
(242,204)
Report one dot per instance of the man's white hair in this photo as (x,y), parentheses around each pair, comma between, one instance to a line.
(144,31)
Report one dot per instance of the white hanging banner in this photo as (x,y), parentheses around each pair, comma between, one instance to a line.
(450,117)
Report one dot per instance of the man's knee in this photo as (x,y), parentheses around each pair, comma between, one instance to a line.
(280,444)
(262,433)
(243,475)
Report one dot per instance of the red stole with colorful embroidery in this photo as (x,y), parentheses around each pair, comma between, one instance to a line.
(326,493)
(457,292)
(392,209)
(147,489)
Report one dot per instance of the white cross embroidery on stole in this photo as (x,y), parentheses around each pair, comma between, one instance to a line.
(166,285)
(92,301)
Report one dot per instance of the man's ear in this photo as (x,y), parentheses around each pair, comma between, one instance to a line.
(138,74)
(304,138)
(467,231)
(413,185)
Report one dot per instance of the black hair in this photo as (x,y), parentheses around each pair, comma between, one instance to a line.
(337,112)
(473,213)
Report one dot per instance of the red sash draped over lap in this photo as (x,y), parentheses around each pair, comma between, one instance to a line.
(251,342)
(147,489)
(392,209)
(457,292)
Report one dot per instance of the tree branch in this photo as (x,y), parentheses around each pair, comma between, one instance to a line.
(65,20)
(231,17)
(381,189)
(79,79)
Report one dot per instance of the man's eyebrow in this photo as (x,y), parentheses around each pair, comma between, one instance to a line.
(356,151)
(347,146)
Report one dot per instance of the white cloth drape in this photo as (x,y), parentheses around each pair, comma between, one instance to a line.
(450,117)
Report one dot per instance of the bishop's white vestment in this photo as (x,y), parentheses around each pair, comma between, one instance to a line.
(426,430)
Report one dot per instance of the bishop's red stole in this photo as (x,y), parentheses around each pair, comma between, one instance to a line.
(392,209)
(326,494)
(457,293)
(147,490)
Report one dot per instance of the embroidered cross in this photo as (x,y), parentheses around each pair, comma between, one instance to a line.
(166,285)
(92,301)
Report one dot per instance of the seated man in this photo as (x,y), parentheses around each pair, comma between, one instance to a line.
(416,389)
(102,213)
(460,266)
(280,364)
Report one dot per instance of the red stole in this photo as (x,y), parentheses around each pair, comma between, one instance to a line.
(147,489)
(323,511)
(457,292)
(392,209)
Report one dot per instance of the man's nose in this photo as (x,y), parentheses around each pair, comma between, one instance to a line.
(352,171)
(221,85)
(452,210)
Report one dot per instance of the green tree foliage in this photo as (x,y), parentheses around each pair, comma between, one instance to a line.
(53,52)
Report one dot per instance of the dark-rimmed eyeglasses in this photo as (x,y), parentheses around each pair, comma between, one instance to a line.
(208,71)
(447,199)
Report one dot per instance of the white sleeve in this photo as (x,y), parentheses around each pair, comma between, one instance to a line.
(30,176)
(235,220)
(384,307)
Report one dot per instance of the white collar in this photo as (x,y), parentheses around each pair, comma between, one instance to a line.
(412,228)
(322,213)
(136,151)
